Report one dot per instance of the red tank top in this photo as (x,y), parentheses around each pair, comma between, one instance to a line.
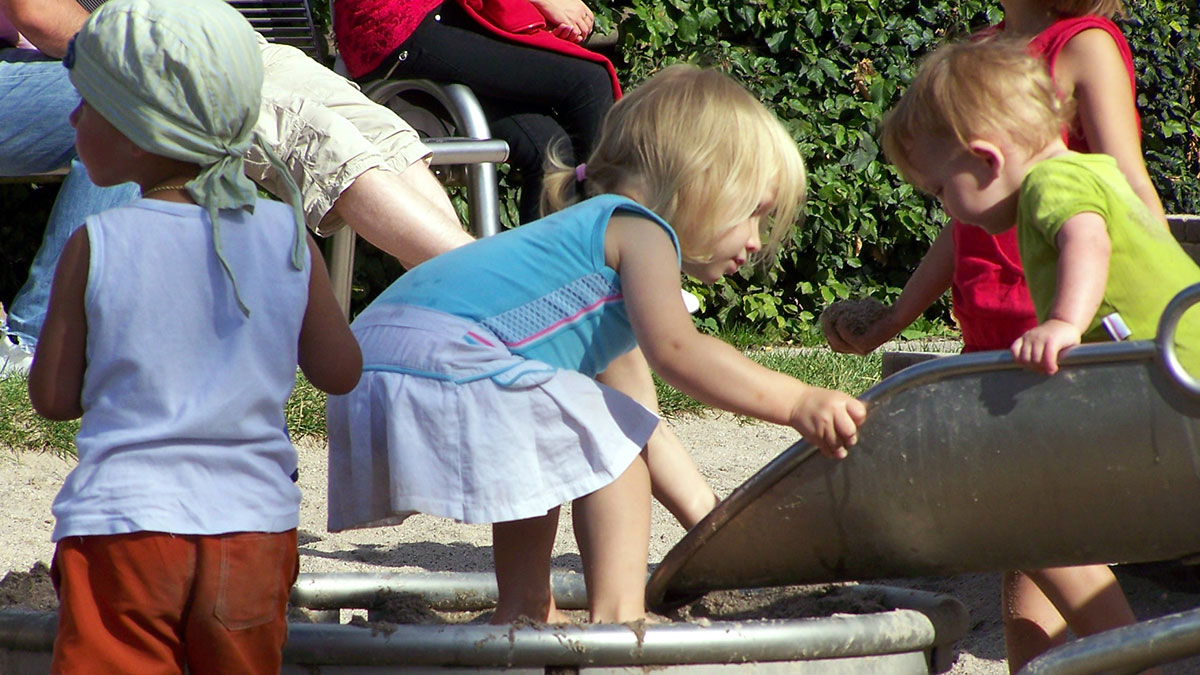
(990,299)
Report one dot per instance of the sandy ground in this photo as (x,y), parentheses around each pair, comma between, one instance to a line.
(728,450)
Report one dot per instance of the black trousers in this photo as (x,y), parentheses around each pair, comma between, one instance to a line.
(533,98)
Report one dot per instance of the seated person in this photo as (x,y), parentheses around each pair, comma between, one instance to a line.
(34,89)
(540,90)
(354,161)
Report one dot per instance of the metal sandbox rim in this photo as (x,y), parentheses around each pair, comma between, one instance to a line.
(925,622)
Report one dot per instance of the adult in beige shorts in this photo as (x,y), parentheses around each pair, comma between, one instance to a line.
(355,162)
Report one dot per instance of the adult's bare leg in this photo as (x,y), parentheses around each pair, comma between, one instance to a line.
(406,215)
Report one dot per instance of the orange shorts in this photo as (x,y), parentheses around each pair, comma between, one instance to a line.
(150,602)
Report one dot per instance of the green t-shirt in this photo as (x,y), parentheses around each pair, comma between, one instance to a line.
(1147,266)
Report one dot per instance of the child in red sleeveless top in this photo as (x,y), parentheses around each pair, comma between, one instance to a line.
(1090,61)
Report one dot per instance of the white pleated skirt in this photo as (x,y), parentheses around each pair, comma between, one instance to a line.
(446,421)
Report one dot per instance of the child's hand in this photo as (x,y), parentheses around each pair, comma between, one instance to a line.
(857,326)
(1039,347)
(829,420)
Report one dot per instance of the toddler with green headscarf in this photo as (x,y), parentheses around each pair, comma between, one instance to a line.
(174,329)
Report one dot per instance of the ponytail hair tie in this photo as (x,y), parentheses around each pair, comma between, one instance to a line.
(581,173)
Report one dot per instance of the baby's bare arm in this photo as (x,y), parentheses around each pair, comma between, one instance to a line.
(56,376)
(1084,249)
(329,353)
(708,369)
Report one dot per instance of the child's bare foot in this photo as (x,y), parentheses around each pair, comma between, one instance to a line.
(557,616)
(550,615)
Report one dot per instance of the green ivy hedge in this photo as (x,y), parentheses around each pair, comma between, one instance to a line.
(829,69)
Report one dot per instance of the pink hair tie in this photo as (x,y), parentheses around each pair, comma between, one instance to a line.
(581,173)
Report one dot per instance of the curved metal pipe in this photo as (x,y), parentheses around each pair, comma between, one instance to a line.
(1129,649)
(446,591)
(921,630)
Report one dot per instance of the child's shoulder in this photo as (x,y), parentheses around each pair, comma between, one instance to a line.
(273,209)
(1060,186)
(1071,167)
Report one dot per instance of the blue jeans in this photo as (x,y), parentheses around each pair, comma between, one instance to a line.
(35,99)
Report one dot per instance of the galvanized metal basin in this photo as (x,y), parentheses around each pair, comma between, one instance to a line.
(915,637)
(971,464)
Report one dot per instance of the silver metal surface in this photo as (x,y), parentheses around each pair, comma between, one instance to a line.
(922,622)
(969,464)
(923,627)
(1167,348)
(1130,649)
(464,108)
(447,591)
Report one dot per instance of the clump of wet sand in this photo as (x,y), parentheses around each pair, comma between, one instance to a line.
(851,317)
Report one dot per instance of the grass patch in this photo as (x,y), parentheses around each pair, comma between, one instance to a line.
(22,430)
(818,367)
(305,410)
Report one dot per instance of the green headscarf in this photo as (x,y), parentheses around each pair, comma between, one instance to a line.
(182,79)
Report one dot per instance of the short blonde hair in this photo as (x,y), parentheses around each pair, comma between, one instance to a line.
(985,88)
(701,152)
(1105,8)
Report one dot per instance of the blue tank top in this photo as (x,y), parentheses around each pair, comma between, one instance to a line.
(543,289)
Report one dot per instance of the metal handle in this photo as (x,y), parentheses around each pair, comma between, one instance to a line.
(1165,342)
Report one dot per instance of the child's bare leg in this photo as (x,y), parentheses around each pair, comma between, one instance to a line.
(675,480)
(612,528)
(521,550)
(1087,597)
(1032,624)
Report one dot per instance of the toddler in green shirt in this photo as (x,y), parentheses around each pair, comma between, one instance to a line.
(980,128)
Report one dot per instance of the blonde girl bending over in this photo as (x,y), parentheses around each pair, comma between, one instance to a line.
(478,400)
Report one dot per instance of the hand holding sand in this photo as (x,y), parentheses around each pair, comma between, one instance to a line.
(856,326)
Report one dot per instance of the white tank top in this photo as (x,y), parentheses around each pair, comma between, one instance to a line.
(183,427)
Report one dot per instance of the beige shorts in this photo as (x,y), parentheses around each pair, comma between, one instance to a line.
(326,132)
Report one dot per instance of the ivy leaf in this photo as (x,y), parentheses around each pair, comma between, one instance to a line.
(776,39)
(689,29)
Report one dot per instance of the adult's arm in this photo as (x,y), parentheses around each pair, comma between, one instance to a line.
(1091,67)
(48,24)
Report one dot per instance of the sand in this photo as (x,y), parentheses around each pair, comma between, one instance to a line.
(727,448)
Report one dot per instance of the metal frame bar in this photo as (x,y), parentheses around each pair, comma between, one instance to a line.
(476,149)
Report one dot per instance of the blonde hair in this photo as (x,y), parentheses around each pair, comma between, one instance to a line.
(1105,8)
(698,150)
(990,88)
